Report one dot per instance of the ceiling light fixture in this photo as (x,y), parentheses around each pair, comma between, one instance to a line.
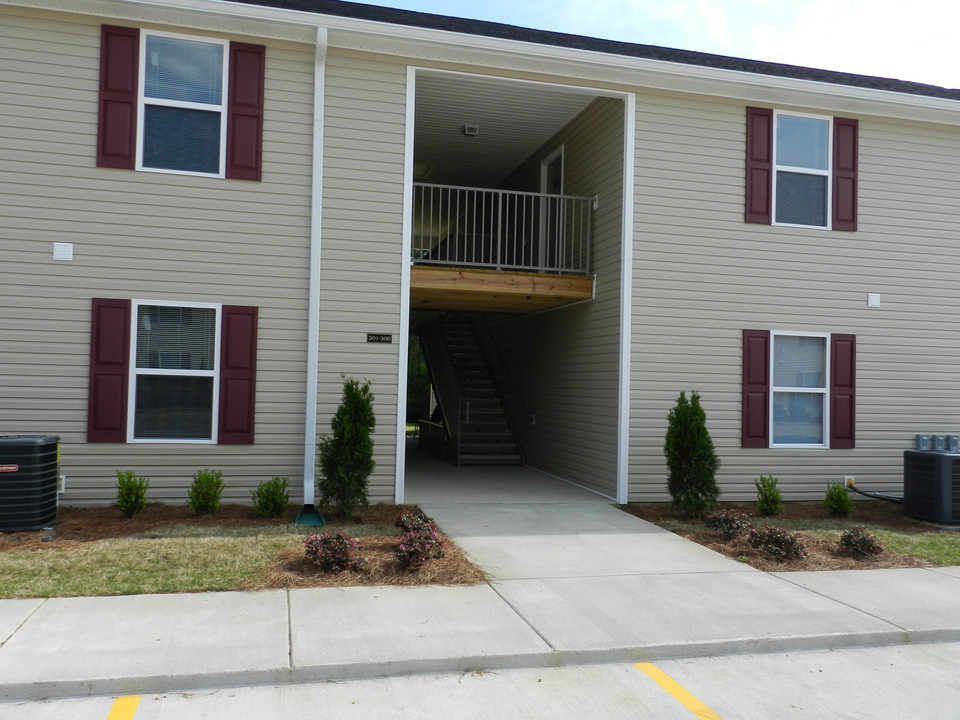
(470,130)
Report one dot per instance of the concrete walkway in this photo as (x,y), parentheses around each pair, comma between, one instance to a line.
(573,581)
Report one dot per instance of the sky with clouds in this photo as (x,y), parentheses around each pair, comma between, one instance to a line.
(904,39)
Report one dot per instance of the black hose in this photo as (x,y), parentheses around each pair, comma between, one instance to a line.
(876,496)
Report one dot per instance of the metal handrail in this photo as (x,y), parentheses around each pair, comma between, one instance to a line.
(501,229)
(445,383)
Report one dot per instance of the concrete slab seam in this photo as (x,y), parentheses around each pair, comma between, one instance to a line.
(836,601)
(43,601)
(289,631)
(517,612)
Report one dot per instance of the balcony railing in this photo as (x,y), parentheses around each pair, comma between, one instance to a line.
(501,229)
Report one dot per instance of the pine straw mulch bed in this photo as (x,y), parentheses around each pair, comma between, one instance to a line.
(821,554)
(291,569)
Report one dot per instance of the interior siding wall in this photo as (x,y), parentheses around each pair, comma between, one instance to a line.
(702,275)
(564,363)
(149,236)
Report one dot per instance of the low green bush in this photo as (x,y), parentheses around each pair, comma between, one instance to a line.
(769,499)
(777,544)
(271,498)
(838,500)
(729,523)
(334,553)
(859,543)
(204,496)
(131,493)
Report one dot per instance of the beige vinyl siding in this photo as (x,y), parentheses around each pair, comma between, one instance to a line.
(702,275)
(564,363)
(147,236)
(362,237)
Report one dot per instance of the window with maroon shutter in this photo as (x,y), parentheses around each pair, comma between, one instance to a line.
(788,386)
(238,372)
(109,371)
(759,182)
(755,429)
(793,175)
(843,376)
(155,363)
(245,111)
(199,104)
(119,83)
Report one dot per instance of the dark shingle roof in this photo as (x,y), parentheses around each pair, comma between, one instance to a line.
(580,42)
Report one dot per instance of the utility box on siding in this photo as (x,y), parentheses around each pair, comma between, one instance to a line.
(29,473)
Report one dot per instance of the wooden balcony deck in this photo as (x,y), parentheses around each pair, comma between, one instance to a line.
(484,290)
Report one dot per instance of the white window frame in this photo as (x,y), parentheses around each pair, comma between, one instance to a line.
(825,391)
(828,173)
(135,372)
(143,101)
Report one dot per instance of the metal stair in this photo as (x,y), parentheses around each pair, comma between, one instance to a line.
(482,434)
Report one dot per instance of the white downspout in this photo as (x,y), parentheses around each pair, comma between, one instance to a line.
(313,311)
(626,297)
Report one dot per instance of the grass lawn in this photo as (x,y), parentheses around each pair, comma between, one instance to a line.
(96,552)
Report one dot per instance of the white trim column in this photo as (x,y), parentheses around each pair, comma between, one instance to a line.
(626,297)
(313,310)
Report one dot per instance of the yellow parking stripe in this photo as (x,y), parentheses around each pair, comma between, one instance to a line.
(124,708)
(678,691)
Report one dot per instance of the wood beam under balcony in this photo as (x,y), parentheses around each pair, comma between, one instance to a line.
(482,290)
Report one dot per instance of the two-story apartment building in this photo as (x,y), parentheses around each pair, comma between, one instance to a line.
(210,211)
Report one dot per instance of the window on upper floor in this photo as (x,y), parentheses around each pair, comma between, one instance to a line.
(801,170)
(181,108)
(171,372)
(180,104)
(798,389)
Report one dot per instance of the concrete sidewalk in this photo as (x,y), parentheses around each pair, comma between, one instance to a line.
(572,583)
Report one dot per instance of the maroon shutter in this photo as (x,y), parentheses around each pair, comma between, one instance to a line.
(759,181)
(238,374)
(245,111)
(109,371)
(844,174)
(119,79)
(755,430)
(843,376)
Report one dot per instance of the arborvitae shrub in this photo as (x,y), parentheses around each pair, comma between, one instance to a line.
(692,461)
(346,456)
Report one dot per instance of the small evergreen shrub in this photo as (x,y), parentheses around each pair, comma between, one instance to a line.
(777,544)
(769,499)
(692,460)
(859,543)
(838,500)
(729,523)
(204,496)
(131,493)
(415,548)
(335,553)
(346,456)
(271,498)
